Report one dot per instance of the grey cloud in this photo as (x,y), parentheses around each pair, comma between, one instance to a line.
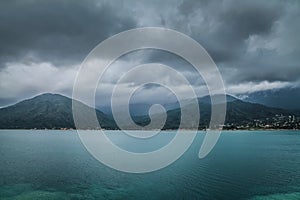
(230,25)
(250,41)
(56,31)
(188,7)
(225,27)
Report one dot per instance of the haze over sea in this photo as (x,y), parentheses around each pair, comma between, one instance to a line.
(243,165)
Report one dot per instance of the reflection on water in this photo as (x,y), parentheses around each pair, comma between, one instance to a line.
(243,165)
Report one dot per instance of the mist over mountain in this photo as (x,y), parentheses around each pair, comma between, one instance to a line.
(54,111)
(284,98)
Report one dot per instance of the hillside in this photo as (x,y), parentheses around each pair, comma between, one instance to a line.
(45,111)
(239,113)
(54,111)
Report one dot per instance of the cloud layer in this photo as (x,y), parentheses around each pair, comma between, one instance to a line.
(255,44)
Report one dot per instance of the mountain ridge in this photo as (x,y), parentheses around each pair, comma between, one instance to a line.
(54,111)
(45,111)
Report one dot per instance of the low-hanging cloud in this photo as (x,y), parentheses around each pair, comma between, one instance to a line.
(255,44)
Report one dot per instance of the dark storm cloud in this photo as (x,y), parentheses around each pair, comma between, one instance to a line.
(188,7)
(253,40)
(56,31)
(255,67)
(254,43)
(226,25)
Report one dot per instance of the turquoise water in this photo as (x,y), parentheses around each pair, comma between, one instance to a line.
(252,165)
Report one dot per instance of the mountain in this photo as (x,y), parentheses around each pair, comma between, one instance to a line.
(46,111)
(142,109)
(54,111)
(277,98)
(138,109)
(238,113)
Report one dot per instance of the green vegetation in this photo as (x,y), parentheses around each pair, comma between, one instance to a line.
(46,111)
(53,111)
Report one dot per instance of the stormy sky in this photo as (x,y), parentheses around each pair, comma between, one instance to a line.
(255,44)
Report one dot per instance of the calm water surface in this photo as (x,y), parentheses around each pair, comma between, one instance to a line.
(243,165)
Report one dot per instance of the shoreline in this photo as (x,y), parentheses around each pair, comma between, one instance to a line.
(223,130)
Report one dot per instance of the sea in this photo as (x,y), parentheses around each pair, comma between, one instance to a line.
(52,164)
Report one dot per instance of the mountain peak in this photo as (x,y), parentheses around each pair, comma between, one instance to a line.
(46,111)
(49,95)
(207,99)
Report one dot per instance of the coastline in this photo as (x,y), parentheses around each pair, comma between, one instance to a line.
(164,130)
